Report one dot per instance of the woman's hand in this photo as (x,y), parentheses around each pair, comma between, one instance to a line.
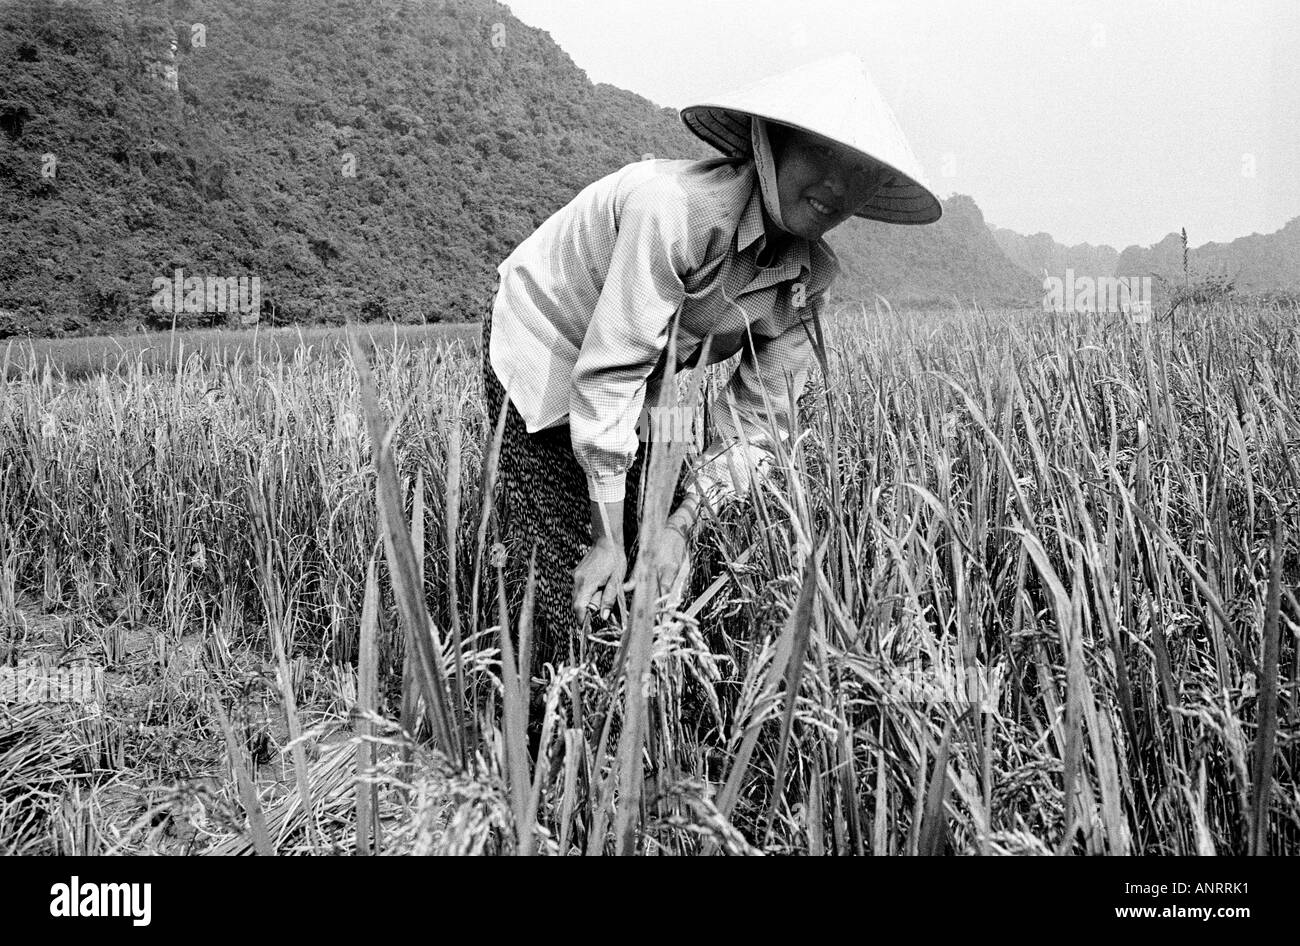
(603,570)
(673,565)
(600,574)
(598,577)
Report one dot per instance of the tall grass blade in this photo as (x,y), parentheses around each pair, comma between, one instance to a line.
(1266,727)
(247,790)
(451,523)
(367,707)
(934,822)
(800,626)
(421,635)
(514,702)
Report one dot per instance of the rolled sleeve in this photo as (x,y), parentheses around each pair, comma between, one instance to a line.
(627,334)
(776,365)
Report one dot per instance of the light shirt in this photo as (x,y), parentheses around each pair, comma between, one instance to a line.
(585,304)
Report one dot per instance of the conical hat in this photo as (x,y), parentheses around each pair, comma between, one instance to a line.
(834,98)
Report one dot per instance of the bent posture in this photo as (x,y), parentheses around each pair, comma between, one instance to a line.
(730,249)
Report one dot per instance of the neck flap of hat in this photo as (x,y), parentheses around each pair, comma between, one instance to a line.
(765,164)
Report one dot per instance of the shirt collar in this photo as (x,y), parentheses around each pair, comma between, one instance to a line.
(752,233)
(751,228)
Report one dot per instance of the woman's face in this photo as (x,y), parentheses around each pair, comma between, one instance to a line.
(821,183)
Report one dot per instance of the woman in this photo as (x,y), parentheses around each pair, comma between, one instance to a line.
(728,248)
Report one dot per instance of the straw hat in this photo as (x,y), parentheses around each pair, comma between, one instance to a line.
(834,98)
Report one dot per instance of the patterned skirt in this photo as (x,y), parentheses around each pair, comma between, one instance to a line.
(541,503)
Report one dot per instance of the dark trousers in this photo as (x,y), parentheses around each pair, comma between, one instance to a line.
(541,507)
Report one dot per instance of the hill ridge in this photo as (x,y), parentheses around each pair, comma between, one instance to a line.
(364,158)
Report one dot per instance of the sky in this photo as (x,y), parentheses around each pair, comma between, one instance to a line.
(1097,121)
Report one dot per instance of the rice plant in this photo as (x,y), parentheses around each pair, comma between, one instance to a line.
(1026,584)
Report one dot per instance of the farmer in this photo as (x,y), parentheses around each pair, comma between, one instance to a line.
(729,247)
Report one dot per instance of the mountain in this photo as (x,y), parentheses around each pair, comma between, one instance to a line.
(372,159)
(1255,263)
(1258,263)
(957,257)
(1035,253)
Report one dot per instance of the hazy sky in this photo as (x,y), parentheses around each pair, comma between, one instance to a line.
(1101,121)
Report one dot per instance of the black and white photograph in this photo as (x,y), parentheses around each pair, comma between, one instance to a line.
(838,428)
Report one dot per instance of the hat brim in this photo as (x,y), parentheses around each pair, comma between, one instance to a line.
(904,201)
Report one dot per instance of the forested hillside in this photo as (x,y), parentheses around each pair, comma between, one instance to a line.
(370,159)
(1261,263)
(1039,251)
(955,259)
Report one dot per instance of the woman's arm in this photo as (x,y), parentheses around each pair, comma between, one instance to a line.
(770,369)
(627,334)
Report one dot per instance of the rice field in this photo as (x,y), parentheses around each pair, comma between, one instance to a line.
(84,356)
(1027,585)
